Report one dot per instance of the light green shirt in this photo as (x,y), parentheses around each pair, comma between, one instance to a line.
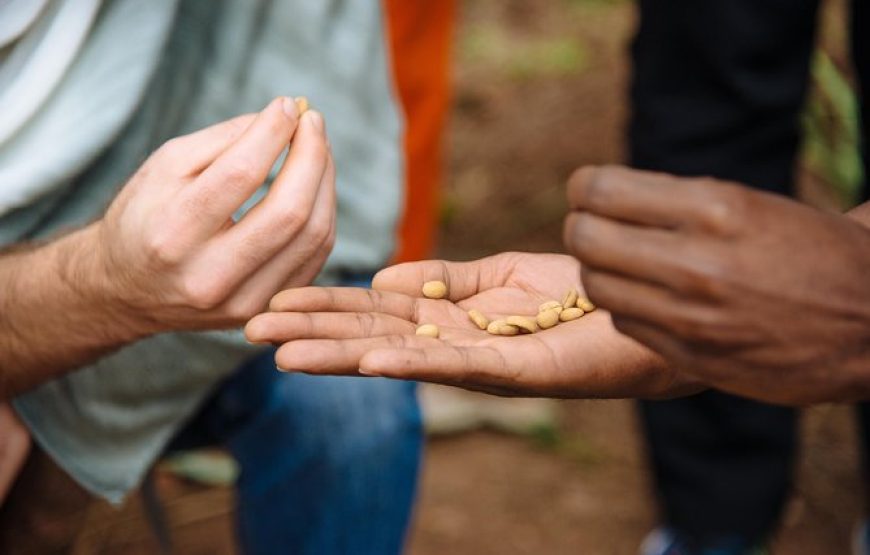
(106,424)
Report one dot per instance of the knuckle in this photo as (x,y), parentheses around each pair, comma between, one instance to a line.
(202,294)
(240,171)
(292,219)
(691,324)
(168,155)
(251,249)
(709,280)
(720,329)
(162,249)
(321,229)
(725,210)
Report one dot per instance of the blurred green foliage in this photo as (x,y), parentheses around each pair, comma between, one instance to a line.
(831,135)
(545,436)
(573,446)
(581,451)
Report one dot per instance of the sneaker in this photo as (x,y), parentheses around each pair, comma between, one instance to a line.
(665,541)
(662,541)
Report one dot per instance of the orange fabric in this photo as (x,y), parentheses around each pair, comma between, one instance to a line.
(420,34)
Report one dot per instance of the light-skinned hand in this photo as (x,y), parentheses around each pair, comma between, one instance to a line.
(168,252)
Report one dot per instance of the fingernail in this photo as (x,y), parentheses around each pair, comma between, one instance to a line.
(289,106)
(281,369)
(316,119)
(368,372)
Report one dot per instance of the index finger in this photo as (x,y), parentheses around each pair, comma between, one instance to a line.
(643,197)
(242,168)
(483,368)
(343,299)
(192,153)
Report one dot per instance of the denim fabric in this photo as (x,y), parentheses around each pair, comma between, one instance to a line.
(328,464)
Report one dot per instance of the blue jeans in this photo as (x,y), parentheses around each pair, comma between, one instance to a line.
(328,464)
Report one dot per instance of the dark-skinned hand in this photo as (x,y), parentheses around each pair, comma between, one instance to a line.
(355,331)
(751,292)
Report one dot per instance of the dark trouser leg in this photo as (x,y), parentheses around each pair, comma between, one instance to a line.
(864,434)
(722,465)
(717,90)
(861,63)
(718,86)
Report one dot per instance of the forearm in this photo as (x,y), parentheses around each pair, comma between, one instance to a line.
(54,315)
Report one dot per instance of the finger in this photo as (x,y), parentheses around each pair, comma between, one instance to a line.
(482,367)
(341,356)
(299,258)
(647,198)
(463,279)
(281,327)
(241,168)
(670,348)
(189,154)
(320,230)
(624,295)
(288,207)
(685,263)
(344,299)
(684,318)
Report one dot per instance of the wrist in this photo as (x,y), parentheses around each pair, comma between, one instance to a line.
(79,261)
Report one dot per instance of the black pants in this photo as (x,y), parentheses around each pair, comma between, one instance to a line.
(717,89)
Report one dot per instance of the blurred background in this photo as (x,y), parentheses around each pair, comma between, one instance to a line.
(539,89)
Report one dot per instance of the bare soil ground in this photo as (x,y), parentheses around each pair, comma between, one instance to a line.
(540,91)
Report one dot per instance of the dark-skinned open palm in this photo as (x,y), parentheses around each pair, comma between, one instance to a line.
(354,331)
